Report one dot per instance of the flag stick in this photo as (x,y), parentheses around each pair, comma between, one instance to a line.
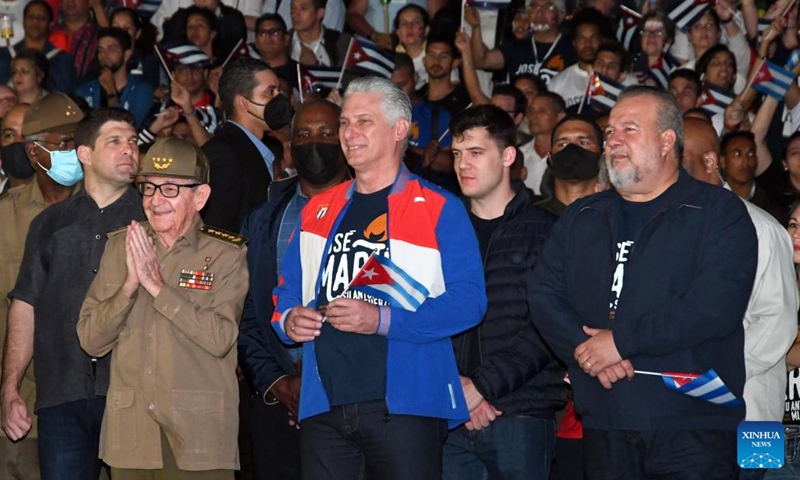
(236,47)
(586,93)
(344,65)
(755,73)
(386,17)
(788,7)
(447,130)
(299,82)
(169,74)
(656,374)
(463,7)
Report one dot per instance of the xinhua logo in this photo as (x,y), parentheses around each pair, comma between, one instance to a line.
(760,445)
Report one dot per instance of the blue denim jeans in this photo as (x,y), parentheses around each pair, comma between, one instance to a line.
(662,454)
(69,440)
(516,447)
(791,466)
(363,440)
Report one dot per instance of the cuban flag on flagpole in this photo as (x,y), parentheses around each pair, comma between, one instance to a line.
(381,278)
(772,80)
(707,386)
(688,11)
(714,99)
(603,90)
(369,59)
(628,22)
(314,78)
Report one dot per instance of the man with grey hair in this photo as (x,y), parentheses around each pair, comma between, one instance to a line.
(381,272)
(653,275)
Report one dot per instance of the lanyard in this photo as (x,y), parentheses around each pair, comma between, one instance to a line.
(546,55)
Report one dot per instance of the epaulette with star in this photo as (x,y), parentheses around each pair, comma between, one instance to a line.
(223,236)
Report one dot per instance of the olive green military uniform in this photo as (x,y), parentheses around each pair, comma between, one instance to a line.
(18,207)
(173,356)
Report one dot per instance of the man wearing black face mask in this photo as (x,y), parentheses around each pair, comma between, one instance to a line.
(241,163)
(14,161)
(269,365)
(574,160)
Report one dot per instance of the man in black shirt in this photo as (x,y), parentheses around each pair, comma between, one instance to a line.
(62,255)
(512,382)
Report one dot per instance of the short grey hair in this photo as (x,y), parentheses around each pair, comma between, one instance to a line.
(668,113)
(395,104)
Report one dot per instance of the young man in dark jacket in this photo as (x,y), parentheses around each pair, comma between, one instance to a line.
(511,380)
(653,275)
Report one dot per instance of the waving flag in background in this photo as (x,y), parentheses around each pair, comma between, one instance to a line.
(714,99)
(772,80)
(367,58)
(628,23)
(688,11)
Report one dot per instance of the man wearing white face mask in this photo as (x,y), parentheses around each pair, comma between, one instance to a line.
(62,254)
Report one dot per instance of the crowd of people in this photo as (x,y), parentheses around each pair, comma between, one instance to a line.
(233,247)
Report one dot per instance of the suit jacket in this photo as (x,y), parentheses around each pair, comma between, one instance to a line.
(335,44)
(239,178)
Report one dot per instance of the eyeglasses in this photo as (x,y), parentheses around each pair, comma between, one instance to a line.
(272,32)
(654,33)
(64,145)
(168,190)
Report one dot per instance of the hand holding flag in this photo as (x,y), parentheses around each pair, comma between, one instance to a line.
(383,279)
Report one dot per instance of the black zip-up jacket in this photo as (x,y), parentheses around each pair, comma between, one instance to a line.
(504,355)
(687,282)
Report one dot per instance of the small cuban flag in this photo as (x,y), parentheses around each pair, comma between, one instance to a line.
(367,58)
(707,386)
(381,278)
(772,80)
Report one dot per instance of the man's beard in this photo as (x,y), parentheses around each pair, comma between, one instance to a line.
(114,68)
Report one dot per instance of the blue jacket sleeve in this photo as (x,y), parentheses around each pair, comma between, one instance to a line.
(463,303)
(559,324)
(289,292)
(727,271)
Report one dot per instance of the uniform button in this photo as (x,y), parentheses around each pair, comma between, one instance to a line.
(116,403)
(150,334)
(152,406)
(97,237)
(149,370)
(94,271)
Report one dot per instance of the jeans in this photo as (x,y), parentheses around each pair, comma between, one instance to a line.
(661,454)
(516,447)
(791,466)
(69,440)
(363,440)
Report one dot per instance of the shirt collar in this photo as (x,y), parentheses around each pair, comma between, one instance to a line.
(262,149)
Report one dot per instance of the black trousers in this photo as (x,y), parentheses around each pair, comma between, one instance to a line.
(276,444)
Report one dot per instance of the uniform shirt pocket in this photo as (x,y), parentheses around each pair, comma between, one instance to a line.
(120,418)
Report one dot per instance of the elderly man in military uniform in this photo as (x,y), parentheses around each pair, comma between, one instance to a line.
(167,301)
(51,119)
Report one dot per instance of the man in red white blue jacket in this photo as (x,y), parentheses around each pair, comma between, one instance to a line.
(380,384)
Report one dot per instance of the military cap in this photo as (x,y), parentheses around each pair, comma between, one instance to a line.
(55,112)
(173,157)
